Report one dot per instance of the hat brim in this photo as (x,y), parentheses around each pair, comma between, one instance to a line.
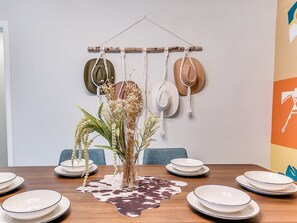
(172,90)
(198,86)
(87,74)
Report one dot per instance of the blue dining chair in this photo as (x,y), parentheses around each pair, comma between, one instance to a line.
(163,155)
(97,155)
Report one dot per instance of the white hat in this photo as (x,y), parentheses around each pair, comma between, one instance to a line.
(164,98)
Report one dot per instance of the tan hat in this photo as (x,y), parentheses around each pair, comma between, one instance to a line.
(120,89)
(100,76)
(189,75)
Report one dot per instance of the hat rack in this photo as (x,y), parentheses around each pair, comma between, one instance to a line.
(102,49)
(140,50)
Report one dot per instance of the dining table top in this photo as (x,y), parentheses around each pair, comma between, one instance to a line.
(85,208)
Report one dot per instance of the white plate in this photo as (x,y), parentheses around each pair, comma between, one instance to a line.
(244,182)
(75,166)
(250,211)
(186,164)
(60,170)
(222,198)
(204,169)
(31,204)
(6,179)
(266,180)
(62,207)
(18,181)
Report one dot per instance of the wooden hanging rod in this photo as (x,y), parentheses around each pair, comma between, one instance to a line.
(139,50)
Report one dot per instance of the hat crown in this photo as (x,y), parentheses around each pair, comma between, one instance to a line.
(120,89)
(188,74)
(99,74)
(162,99)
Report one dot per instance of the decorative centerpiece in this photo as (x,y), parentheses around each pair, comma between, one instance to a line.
(117,123)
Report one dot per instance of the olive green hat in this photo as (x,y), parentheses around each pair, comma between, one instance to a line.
(100,76)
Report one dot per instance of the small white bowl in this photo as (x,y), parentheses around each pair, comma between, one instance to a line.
(6,178)
(222,198)
(78,165)
(31,204)
(268,180)
(186,164)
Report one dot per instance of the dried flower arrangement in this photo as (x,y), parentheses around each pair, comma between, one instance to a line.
(117,123)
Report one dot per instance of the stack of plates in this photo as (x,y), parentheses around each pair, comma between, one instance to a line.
(76,170)
(9,181)
(268,183)
(223,202)
(34,206)
(187,167)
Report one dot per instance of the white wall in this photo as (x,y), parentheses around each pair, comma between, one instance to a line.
(232,115)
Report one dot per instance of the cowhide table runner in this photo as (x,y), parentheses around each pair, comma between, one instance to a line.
(148,194)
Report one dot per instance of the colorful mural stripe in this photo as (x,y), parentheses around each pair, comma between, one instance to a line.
(292,22)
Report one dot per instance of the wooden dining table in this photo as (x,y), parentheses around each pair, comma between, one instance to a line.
(85,208)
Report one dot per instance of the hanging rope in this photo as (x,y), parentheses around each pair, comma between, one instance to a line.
(123,31)
(151,21)
(144,61)
(164,94)
(101,54)
(123,55)
(193,47)
(167,30)
(189,112)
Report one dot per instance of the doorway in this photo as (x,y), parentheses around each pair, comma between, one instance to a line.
(6,142)
(3,135)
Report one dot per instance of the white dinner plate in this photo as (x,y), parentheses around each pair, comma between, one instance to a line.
(204,169)
(18,181)
(250,211)
(222,198)
(75,166)
(187,165)
(266,180)
(31,204)
(244,182)
(59,170)
(6,179)
(62,207)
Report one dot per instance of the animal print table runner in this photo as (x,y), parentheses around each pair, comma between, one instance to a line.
(150,192)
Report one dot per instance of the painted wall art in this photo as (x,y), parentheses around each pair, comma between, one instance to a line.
(284,109)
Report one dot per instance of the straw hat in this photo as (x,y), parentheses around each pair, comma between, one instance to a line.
(164,98)
(99,74)
(193,77)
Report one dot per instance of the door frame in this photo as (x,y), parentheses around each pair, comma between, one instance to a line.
(10,151)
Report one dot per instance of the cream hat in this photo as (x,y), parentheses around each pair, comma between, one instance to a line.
(164,98)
